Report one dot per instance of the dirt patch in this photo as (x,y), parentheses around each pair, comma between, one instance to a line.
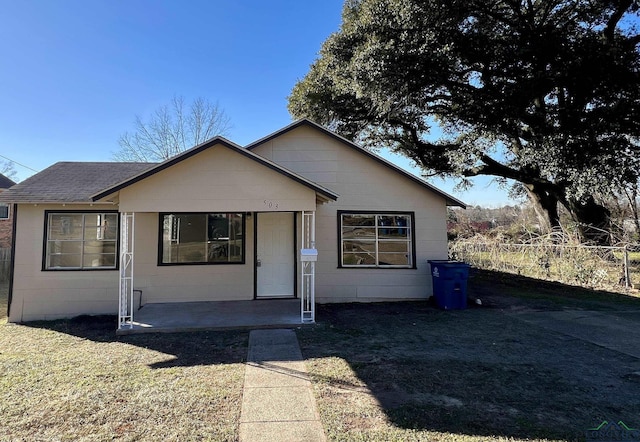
(466,375)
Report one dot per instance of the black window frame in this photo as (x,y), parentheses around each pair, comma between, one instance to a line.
(8,211)
(45,241)
(161,216)
(410,214)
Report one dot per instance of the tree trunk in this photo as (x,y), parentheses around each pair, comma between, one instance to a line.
(545,204)
(632,196)
(593,220)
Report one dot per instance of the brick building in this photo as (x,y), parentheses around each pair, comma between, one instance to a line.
(6,220)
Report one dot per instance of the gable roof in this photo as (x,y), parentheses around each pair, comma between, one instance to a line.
(451,201)
(71,182)
(109,190)
(5,182)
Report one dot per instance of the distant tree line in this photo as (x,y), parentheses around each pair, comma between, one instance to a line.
(519,222)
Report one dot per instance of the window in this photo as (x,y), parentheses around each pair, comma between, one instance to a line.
(202,238)
(376,240)
(81,241)
(4,211)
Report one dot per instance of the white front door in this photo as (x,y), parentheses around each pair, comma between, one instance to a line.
(275,255)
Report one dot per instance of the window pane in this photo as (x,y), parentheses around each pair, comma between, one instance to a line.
(191,251)
(109,226)
(201,238)
(219,251)
(358,220)
(218,226)
(68,226)
(359,246)
(351,259)
(93,219)
(393,259)
(65,247)
(384,233)
(4,211)
(393,220)
(64,261)
(358,232)
(95,260)
(100,247)
(100,227)
(393,246)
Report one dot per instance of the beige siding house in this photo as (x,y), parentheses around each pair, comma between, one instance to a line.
(301,214)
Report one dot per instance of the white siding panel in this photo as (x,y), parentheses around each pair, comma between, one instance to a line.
(363,184)
(217,179)
(41,294)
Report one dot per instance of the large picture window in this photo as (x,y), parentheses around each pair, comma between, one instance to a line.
(81,241)
(202,238)
(376,240)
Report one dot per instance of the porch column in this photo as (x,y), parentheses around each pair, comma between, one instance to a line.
(308,258)
(125,307)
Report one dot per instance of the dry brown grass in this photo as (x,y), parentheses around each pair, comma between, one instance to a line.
(74,380)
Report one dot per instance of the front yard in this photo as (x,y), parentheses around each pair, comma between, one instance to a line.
(407,371)
(394,371)
(76,381)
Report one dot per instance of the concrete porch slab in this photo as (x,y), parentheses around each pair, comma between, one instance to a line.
(174,317)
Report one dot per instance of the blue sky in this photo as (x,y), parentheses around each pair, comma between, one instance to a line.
(76,73)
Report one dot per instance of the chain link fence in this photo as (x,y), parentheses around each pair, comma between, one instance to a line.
(610,268)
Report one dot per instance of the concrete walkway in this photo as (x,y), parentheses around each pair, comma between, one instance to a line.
(277,402)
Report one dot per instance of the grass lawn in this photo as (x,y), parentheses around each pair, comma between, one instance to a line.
(76,381)
(381,372)
(407,371)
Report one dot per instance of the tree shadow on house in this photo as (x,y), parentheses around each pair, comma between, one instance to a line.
(186,349)
(481,371)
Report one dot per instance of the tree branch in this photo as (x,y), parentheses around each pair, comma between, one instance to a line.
(615,18)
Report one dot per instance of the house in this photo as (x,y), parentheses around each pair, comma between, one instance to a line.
(302,213)
(6,225)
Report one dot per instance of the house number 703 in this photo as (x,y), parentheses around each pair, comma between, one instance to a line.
(271,204)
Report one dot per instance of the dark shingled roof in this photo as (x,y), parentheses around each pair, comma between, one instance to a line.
(68,182)
(5,182)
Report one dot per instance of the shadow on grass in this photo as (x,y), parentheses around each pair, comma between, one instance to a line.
(475,372)
(187,349)
(506,289)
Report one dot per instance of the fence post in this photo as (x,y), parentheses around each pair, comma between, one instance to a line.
(627,274)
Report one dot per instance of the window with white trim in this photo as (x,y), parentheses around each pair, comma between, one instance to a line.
(4,211)
(81,241)
(383,240)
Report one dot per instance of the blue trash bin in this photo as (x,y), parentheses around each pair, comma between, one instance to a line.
(450,283)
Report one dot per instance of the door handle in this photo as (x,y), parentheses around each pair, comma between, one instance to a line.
(258,263)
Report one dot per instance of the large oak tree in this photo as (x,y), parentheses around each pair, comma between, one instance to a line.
(542,92)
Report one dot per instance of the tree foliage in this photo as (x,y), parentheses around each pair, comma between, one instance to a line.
(542,92)
(172,129)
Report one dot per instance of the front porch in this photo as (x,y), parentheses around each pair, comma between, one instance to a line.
(192,316)
(281,299)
